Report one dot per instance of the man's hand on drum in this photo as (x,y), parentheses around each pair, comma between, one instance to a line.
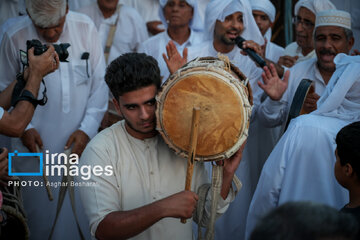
(310,102)
(230,166)
(273,86)
(173,59)
(179,205)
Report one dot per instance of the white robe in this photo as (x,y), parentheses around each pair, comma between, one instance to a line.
(145,171)
(293,50)
(148,9)
(75,101)
(156,46)
(130,29)
(11,8)
(300,168)
(273,52)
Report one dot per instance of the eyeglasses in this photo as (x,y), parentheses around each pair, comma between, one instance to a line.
(306,24)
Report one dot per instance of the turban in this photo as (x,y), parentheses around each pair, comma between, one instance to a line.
(196,23)
(220,9)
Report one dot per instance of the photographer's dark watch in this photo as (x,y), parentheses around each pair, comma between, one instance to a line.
(27,96)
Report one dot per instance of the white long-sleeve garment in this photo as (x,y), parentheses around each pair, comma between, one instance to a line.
(273,51)
(77,99)
(275,113)
(301,167)
(144,171)
(11,8)
(148,9)
(130,29)
(156,46)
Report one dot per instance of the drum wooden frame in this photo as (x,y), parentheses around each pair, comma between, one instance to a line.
(225,99)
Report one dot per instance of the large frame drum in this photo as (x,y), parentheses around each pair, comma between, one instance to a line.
(224,97)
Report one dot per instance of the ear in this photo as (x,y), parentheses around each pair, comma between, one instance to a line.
(348,170)
(117,107)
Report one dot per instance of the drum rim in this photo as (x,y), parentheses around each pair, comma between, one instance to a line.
(214,71)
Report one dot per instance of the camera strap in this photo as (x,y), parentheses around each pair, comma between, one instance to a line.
(21,94)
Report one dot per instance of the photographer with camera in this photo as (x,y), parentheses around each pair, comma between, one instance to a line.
(14,123)
(77,100)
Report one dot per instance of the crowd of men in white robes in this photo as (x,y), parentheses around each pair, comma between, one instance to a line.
(275,167)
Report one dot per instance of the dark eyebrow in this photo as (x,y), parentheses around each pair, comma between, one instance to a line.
(150,101)
(130,105)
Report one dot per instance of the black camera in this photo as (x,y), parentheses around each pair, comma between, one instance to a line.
(39,49)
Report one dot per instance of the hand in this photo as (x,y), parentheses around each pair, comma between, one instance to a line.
(153,27)
(79,139)
(174,61)
(43,64)
(355,52)
(260,50)
(232,163)
(179,205)
(30,138)
(287,61)
(229,167)
(273,86)
(310,102)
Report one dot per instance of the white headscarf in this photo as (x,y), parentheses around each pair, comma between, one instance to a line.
(269,9)
(314,6)
(196,23)
(220,9)
(341,98)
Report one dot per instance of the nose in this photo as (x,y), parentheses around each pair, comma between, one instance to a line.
(49,34)
(299,27)
(235,24)
(327,43)
(144,113)
(257,20)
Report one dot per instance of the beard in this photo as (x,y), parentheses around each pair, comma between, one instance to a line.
(227,41)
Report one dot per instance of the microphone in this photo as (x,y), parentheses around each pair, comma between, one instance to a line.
(252,54)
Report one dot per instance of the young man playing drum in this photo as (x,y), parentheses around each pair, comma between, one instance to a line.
(144,197)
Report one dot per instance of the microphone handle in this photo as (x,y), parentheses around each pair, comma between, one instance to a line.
(252,54)
(255,57)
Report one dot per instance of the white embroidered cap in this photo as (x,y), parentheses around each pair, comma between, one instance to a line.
(333,18)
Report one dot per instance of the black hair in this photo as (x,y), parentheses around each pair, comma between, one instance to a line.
(132,71)
(348,146)
(305,220)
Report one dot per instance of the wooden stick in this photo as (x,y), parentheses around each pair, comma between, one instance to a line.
(45,178)
(192,150)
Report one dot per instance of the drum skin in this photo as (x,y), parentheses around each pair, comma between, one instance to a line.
(224,105)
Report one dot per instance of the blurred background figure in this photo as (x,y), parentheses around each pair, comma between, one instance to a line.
(183,27)
(305,221)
